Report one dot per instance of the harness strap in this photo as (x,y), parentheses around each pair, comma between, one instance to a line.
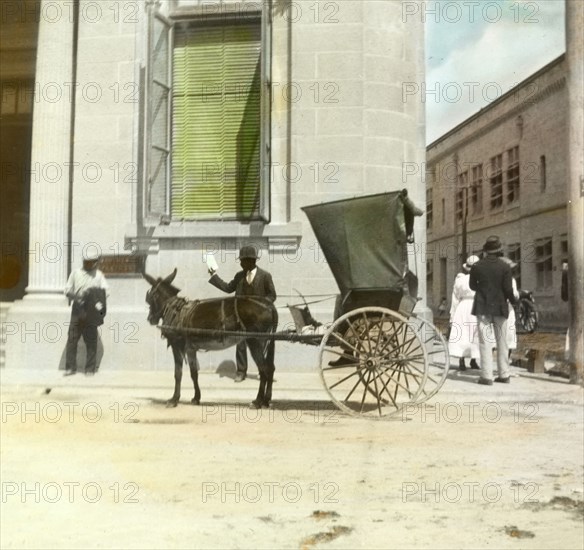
(237,316)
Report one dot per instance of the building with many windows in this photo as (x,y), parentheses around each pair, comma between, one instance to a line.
(156,131)
(504,172)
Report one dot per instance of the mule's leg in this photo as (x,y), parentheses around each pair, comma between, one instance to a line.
(178,362)
(256,347)
(194,367)
(270,368)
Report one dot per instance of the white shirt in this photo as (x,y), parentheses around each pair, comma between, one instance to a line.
(80,280)
(250,275)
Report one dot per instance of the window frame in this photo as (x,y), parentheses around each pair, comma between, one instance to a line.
(192,15)
(513,176)
(542,174)
(544,264)
(462,196)
(477,189)
(496,182)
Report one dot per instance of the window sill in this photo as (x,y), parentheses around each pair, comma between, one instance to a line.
(279,236)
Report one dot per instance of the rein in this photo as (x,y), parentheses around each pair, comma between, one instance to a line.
(173,313)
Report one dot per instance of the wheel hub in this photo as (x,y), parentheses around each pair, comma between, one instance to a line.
(371,363)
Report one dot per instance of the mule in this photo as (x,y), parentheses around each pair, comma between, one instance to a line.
(214,324)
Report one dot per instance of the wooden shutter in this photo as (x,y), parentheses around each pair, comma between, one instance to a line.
(157,195)
(217,121)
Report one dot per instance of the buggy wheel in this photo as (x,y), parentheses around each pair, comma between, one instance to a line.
(373,362)
(528,317)
(438,356)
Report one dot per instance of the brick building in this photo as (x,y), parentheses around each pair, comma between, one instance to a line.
(504,171)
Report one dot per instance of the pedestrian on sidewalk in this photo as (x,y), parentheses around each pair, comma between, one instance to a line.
(491,279)
(463,340)
(250,281)
(87,289)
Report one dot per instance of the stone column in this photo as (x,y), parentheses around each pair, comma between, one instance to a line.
(574,55)
(353,131)
(36,327)
(49,182)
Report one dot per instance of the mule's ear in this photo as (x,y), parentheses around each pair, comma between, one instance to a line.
(171,277)
(150,279)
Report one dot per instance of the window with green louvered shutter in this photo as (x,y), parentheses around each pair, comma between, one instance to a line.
(216,121)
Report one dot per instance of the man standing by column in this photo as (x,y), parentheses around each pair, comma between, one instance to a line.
(251,281)
(491,279)
(86,287)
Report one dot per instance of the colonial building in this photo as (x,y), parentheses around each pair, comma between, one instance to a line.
(159,131)
(504,171)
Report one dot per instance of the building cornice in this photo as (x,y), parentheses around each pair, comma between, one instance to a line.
(465,139)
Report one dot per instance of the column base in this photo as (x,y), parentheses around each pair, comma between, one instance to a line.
(35,331)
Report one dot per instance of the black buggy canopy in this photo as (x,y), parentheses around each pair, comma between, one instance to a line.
(364,239)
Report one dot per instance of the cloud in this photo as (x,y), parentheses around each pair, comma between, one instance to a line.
(481,60)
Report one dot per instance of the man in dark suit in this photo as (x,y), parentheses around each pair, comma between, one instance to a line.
(491,279)
(250,281)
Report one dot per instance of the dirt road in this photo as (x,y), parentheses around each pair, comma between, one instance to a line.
(91,466)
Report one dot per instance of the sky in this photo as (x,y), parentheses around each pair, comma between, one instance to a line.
(476,50)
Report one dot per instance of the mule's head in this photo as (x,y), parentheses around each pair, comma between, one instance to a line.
(156,297)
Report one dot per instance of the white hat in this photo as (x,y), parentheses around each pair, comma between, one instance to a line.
(91,255)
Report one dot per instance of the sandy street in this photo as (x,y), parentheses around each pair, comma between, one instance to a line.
(97,463)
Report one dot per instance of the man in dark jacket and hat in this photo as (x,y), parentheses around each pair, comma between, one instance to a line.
(491,279)
(250,281)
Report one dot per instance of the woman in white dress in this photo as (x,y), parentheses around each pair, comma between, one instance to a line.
(463,340)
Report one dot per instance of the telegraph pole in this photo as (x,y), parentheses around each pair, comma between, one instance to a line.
(574,56)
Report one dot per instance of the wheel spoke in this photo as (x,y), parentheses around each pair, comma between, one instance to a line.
(378,396)
(366,387)
(380,332)
(384,388)
(344,342)
(398,383)
(344,379)
(352,390)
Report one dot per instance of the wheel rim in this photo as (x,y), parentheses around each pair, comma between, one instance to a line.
(379,362)
(438,357)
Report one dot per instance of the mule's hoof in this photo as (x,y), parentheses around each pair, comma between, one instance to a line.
(171,403)
(255,405)
(266,405)
(195,401)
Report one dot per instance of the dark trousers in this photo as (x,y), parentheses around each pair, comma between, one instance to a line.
(241,357)
(78,328)
(259,353)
